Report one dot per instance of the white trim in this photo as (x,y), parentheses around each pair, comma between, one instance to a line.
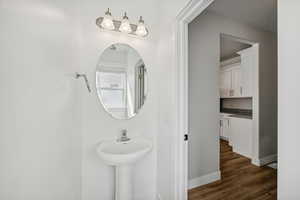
(265,160)
(187,14)
(255,103)
(203,180)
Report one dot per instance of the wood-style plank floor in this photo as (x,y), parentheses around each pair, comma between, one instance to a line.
(240,180)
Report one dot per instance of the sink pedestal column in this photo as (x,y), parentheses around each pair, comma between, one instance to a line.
(123,182)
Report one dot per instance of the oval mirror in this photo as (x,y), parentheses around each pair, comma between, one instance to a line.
(121,81)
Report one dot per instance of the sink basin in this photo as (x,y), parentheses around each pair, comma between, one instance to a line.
(122,155)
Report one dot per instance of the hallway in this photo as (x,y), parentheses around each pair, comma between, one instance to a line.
(240,180)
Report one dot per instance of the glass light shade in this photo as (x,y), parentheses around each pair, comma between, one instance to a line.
(107,22)
(141,29)
(125,25)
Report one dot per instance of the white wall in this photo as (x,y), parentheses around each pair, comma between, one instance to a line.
(40,143)
(154,175)
(166,101)
(289,98)
(204,102)
(97,177)
(41,109)
(50,124)
(204,50)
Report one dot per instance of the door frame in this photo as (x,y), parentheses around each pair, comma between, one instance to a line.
(255,46)
(193,9)
(186,15)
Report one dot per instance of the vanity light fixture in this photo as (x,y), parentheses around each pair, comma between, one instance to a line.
(108,23)
(125,25)
(141,28)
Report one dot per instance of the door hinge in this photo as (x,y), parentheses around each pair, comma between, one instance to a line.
(186,137)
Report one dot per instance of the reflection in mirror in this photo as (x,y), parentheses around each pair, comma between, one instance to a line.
(121,81)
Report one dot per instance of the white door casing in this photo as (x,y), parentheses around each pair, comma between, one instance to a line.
(186,15)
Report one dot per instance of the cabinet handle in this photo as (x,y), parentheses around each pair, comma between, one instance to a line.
(228,122)
(221,122)
(241,90)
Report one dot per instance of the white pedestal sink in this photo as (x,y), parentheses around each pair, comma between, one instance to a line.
(122,155)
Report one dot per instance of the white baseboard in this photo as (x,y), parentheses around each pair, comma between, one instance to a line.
(203,180)
(265,160)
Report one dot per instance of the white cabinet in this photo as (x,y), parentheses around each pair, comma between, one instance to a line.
(225,83)
(238,132)
(224,128)
(241,135)
(236,80)
(247,68)
(230,81)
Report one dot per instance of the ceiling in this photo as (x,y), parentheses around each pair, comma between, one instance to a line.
(258,13)
(229,48)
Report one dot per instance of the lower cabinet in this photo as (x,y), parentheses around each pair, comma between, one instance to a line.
(224,128)
(241,135)
(238,132)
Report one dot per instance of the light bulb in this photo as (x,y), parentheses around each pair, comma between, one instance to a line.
(141,28)
(107,22)
(125,25)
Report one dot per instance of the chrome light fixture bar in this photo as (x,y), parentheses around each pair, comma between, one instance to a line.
(108,23)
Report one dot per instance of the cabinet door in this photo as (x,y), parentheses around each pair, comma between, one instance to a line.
(236,82)
(221,128)
(225,83)
(226,128)
(247,66)
(241,135)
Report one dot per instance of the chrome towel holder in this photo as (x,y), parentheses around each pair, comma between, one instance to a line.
(84,76)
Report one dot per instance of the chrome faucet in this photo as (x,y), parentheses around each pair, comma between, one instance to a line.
(123,137)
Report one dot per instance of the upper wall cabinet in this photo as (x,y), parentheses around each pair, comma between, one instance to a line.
(225,83)
(247,68)
(236,79)
(230,81)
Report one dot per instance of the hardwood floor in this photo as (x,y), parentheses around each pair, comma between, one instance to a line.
(240,180)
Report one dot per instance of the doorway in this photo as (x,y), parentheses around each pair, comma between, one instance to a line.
(194,10)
